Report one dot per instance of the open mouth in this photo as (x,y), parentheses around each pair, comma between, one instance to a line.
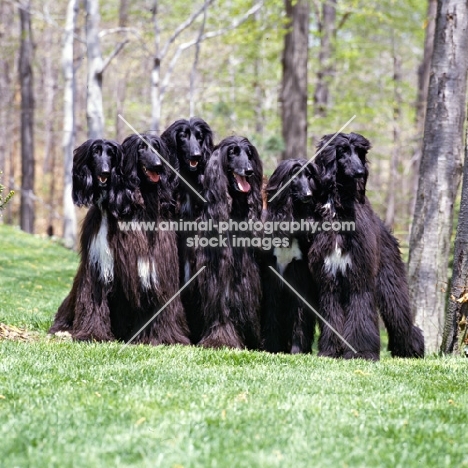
(103,179)
(242,184)
(193,164)
(152,176)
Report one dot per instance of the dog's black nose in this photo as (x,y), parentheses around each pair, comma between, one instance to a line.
(359,174)
(248,172)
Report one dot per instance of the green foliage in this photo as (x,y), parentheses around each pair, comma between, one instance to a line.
(6,199)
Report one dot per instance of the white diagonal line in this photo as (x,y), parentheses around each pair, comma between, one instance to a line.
(163,307)
(311,308)
(157,153)
(312,158)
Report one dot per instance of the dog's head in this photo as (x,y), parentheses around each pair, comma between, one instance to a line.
(192,142)
(141,169)
(290,191)
(342,163)
(94,163)
(234,170)
(299,190)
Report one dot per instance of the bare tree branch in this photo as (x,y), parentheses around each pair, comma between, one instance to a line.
(106,32)
(343,20)
(183,26)
(209,35)
(114,53)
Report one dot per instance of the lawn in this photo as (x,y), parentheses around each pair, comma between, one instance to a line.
(96,405)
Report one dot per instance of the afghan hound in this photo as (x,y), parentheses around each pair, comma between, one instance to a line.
(288,324)
(190,142)
(229,285)
(85,311)
(146,259)
(359,271)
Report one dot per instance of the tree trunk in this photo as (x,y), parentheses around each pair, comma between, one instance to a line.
(123,13)
(421,100)
(394,162)
(439,173)
(94,109)
(455,319)
(294,85)
(156,74)
(193,73)
(68,143)
(27,213)
(326,68)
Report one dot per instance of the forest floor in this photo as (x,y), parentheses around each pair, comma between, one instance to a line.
(65,404)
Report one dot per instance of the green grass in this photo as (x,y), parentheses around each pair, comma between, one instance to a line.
(65,404)
(35,275)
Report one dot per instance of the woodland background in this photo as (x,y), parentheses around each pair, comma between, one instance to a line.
(282,73)
(378,50)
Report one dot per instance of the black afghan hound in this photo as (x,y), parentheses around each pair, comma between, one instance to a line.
(359,271)
(190,142)
(146,260)
(85,312)
(288,324)
(229,285)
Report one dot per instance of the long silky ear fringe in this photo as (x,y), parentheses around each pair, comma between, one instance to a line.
(215,184)
(124,179)
(82,177)
(281,207)
(255,196)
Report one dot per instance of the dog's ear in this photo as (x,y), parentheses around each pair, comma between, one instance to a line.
(281,207)
(171,173)
(362,145)
(255,180)
(215,185)
(207,146)
(169,179)
(325,163)
(82,176)
(169,136)
(124,178)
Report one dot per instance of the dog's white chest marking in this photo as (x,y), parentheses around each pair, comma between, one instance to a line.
(337,261)
(285,255)
(147,273)
(100,255)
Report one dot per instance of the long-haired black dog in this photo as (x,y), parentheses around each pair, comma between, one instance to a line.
(146,264)
(358,271)
(85,311)
(230,284)
(288,324)
(190,143)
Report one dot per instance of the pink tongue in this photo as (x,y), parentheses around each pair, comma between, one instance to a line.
(193,163)
(153,176)
(243,185)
